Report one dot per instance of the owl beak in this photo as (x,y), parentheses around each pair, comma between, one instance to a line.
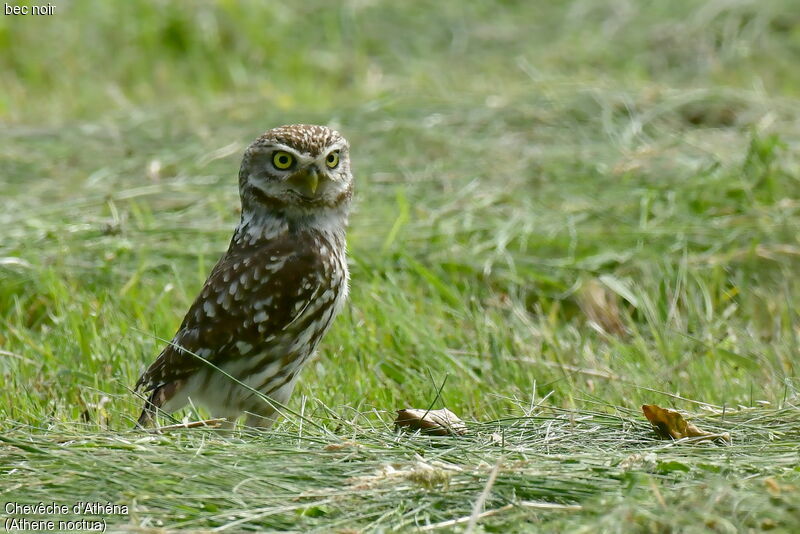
(305,181)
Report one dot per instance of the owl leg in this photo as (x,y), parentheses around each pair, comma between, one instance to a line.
(158,397)
(264,415)
(226,427)
(147,417)
(261,421)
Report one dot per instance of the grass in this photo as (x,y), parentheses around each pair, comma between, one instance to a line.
(558,225)
(299,478)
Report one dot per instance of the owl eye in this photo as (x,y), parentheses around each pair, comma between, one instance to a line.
(282,160)
(332,160)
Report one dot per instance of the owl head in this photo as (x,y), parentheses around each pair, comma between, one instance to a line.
(296,172)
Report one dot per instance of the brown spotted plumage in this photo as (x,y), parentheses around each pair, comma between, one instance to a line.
(273,295)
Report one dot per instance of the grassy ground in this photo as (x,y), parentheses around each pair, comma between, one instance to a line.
(564,210)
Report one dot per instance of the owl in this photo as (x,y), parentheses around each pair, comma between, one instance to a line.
(274,294)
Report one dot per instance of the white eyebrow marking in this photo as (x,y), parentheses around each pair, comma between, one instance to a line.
(338,145)
(303,158)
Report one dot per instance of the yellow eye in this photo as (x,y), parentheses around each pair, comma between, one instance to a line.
(282,160)
(333,159)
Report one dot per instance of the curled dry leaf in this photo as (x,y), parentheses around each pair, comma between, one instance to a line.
(671,424)
(436,422)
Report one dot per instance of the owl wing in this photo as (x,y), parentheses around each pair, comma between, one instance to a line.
(250,298)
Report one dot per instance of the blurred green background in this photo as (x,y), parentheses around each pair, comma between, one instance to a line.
(563,210)
(587,196)
(92,59)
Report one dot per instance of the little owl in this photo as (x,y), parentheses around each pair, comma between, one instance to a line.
(273,295)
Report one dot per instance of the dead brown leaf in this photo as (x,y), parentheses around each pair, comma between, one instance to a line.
(671,424)
(435,422)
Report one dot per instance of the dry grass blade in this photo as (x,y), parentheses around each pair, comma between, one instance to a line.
(479,504)
(460,520)
(601,307)
(206,423)
(551,506)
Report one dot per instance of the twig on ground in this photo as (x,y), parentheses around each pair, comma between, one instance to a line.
(210,423)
